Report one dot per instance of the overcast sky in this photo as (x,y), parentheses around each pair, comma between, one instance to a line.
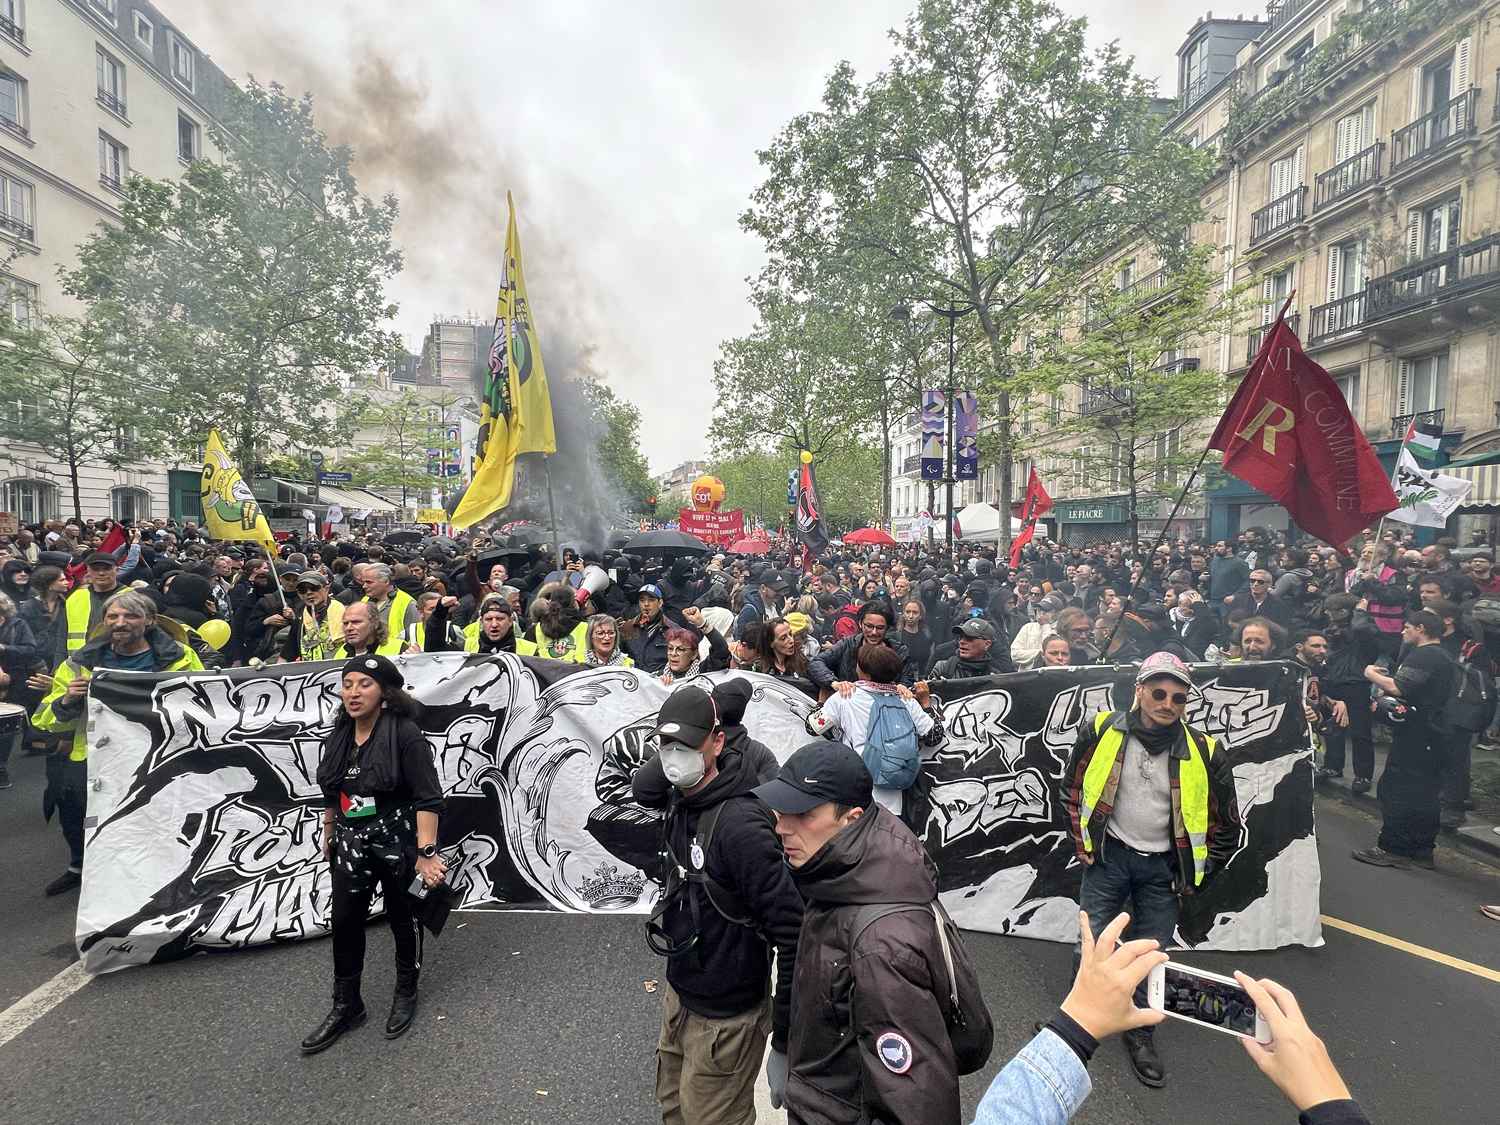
(627,130)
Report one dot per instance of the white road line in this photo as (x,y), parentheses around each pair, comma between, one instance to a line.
(39,1001)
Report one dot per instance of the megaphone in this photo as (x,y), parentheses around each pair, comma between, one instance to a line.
(595,579)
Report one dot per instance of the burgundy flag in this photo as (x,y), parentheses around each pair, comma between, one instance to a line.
(1037,501)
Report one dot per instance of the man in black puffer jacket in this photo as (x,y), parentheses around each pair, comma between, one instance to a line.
(726,903)
(836,665)
(977,655)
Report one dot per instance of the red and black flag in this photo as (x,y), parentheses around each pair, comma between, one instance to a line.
(1037,501)
(810,530)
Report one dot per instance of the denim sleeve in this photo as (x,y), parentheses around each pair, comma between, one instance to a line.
(1043,1085)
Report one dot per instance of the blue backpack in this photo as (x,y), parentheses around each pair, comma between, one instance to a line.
(891,753)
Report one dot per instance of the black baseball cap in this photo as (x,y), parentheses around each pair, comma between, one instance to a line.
(688,716)
(776,581)
(101,558)
(817,773)
(975,627)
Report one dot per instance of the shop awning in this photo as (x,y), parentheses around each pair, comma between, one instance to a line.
(352,499)
(1486,481)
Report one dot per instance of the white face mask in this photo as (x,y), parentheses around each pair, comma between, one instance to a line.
(682,765)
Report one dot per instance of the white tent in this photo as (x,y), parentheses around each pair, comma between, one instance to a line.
(980,523)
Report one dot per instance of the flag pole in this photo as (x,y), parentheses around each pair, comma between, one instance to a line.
(1160,539)
(552,508)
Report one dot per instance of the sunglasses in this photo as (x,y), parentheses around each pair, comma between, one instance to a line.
(1179,698)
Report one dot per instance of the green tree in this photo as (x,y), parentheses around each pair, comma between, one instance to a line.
(619,448)
(996,157)
(250,293)
(395,431)
(68,389)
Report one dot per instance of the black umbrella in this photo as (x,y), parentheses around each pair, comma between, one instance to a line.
(527,533)
(442,541)
(662,542)
(492,555)
(405,537)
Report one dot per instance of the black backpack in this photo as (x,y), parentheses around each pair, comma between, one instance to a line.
(679,880)
(1471,695)
(970,1028)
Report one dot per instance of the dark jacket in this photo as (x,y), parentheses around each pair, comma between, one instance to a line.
(888,983)
(45,629)
(837,664)
(1349,654)
(957,668)
(396,766)
(646,644)
(1272,609)
(752,611)
(1223,807)
(728,971)
(1202,631)
(1227,578)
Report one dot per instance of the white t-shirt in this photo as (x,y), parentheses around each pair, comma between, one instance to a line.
(850,720)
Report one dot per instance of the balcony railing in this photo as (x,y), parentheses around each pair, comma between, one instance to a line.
(1427,136)
(1277,215)
(1097,402)
(912,465)
(1401,421)
(1195,91)
(1280,12)
(13,29)
(16,226)
(1258,337)
(1178,366)
(110,102)
(1142,288)
(112,183)
(13,126)
(1343,180)
(1437,277)
(1336,317)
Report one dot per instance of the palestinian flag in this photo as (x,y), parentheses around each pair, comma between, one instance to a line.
(1422,440)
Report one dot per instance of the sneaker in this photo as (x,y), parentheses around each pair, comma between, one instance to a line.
(1379,857)
(1323,773)
(4,778)
(64,883)
(1488,743)
(1361,785)
(1491,912)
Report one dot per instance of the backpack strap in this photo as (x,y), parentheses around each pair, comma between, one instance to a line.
(702,839)
(869,914)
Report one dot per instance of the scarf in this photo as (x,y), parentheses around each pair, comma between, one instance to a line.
(1155,741)
(592,658)
(377,759)
(667,676)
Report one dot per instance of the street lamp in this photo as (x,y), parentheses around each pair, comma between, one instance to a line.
(760,499)
(952,311)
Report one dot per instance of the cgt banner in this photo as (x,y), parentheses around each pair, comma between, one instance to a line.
(204,813)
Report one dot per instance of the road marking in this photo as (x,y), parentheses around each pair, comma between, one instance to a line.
(39,1001)
(1408,947)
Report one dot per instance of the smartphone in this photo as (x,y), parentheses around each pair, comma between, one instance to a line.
(1206,999)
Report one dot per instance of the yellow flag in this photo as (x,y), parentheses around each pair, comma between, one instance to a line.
(229,507)
(516,415)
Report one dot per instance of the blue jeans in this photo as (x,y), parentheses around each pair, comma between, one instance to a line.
(1120,876)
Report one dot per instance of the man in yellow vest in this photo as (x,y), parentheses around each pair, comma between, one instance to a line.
(365,632)
(318,629)
(1152,803)
(85,605)
(396,607)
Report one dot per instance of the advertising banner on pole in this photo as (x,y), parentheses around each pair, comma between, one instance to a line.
(934,422)
(966,436)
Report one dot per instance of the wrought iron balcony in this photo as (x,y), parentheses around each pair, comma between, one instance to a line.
(1178,366)
(1437,277)
(112,183)
(1280,12)
(1427,136)
(16,226)
(1278,215)
(13,126)
(1097,402)
(1195,91)
(1348,178)
(1142,288)
(1258,337)
(110,102)
(13,29)
(912,465)
(1401,421)
(1337,317)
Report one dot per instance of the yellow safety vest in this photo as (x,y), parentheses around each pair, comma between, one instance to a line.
(67,672)
(471,641)
(1189,797)
(79,607)
(395,611)
(392,647)
(325,637)
(569,648)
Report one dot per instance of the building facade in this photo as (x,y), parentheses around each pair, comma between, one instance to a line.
(1358,178)
(674,488)
(91,91)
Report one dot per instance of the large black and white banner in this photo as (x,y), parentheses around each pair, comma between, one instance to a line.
(204,812)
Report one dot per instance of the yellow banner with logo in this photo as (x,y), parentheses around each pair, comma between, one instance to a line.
(230,509)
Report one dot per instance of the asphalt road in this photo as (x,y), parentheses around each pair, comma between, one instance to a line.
(545,1018)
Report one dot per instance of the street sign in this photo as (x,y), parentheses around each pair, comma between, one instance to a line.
(316,457)
(335,478)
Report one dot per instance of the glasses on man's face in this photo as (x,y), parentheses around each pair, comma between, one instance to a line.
(1260,581)
(1179,698)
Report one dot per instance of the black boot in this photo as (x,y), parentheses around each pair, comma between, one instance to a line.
(1145,1060)
(403,1004)
(348,1012)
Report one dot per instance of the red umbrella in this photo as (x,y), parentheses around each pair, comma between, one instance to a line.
(871,535)
(749,547)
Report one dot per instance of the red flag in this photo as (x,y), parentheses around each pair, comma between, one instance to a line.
(112,543)
(1289,433)
(1037,501)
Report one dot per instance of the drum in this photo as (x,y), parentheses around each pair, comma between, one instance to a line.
(12,719)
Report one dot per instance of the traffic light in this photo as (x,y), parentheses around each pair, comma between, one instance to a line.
(652,502)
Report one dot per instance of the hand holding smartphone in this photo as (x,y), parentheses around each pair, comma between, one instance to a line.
(1206,999)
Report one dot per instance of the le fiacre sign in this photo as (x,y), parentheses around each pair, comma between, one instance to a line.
(204,813)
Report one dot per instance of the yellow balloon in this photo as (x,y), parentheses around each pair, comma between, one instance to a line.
(215,632)
(806,457)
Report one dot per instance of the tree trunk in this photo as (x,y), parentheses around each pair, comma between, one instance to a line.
(77,491)
(885,440)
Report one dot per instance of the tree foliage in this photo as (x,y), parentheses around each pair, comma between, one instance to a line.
(249,294)
(619,448)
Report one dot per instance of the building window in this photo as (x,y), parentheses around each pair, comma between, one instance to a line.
(189,138)
(1286,175)
(1353,133)
(181,57)
(16,207)
(1273,292)
(111,76)
(1433,229)
(13,102)
(1125,275)
(105,6)
(1346,268)
(130,504)
(31,500)
(1422,384)
(1348,384)
(1195,72)
(10,20)
(145,34)
(113,162)
(22,300)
